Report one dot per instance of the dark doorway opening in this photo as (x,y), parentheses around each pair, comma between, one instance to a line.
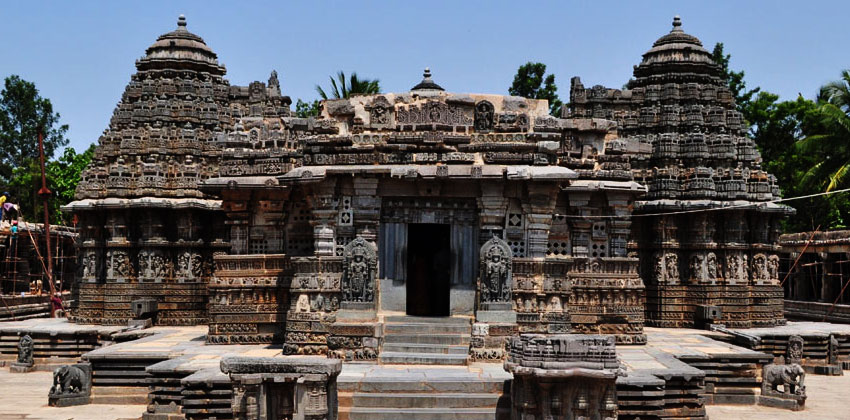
(428,269)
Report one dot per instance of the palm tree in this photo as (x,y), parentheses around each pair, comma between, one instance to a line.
(833,142)
(355,86)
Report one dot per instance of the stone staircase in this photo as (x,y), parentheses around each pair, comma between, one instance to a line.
(425,393)
(410,340)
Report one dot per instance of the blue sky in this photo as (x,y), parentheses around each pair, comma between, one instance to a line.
(81,54)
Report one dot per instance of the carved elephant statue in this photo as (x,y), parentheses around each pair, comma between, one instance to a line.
(791,378)
(68,379)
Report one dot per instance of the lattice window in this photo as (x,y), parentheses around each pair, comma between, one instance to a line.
(558,248)
(239,239)
(517,248)
(341,242)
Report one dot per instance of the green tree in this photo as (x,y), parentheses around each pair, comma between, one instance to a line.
(63,175)
(340,89)
(22,113)
(832,141)
(735,81)
(529,82)
(306,109)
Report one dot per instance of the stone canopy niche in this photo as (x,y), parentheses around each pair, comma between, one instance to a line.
(563,377)
(265,388)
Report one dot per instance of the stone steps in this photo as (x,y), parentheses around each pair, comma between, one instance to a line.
(358,413)
(388,385)
(446,320)
(410,340)
(426,348)
(443,339)
(404,358)
(425,400)
(410,328)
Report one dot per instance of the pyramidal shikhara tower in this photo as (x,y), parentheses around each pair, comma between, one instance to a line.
(706,232)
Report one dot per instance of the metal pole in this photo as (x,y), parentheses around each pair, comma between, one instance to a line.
(44,192)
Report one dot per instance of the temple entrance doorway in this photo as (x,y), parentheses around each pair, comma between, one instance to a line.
(428,269)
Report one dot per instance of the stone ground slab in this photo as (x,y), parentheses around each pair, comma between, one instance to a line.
(805,328)
(24,396)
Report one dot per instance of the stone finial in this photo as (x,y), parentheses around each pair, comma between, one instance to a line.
(677,24)
(427,83)
(181,22)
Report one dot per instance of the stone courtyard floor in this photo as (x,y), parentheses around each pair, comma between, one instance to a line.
(24,396)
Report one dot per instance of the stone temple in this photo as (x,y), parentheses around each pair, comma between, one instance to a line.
(220,205)
(431,227)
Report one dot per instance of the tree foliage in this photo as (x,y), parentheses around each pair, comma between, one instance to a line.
(804,143)
(306,109)
(532,82)
(22,113)
(63,175)
(344,89)
(734,79)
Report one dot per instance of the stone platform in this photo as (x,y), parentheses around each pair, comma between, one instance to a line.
(56,341)
(677,374)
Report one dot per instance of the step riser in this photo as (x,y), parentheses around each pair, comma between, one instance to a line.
(427,339)
(425,348)
(427,320)
(394,386)
(426,329)
(357,414)
(422,360)
(426,401)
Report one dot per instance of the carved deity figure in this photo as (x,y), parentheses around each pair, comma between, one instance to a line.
(794,353)
(711,263)
(484,112)
(25,348)
(696,267)
(773,267)
(733,267)
(360,263)
(832,350)
(495,271)
(760,267)
(672,266)
(379,111)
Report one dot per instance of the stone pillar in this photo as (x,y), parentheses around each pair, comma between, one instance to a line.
(492,206)
(367,208)
(324,218)
(538,209)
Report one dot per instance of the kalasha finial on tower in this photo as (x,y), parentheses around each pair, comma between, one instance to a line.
(181,22)
(427,73)
(677,24)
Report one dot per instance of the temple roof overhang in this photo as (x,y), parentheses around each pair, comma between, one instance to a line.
(142,202)
(601,185)
(453,172)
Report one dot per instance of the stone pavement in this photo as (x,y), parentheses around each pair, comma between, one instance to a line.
(826,401)
(24,396)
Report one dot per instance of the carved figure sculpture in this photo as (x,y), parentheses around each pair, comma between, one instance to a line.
(791,377)
(484,112)
(68,379)
(696,267)
(773,267)
(832,350)
(711,265)
(495,271)
(25,348)
(760,267)
(672,266)
(360,258)
(794,353)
